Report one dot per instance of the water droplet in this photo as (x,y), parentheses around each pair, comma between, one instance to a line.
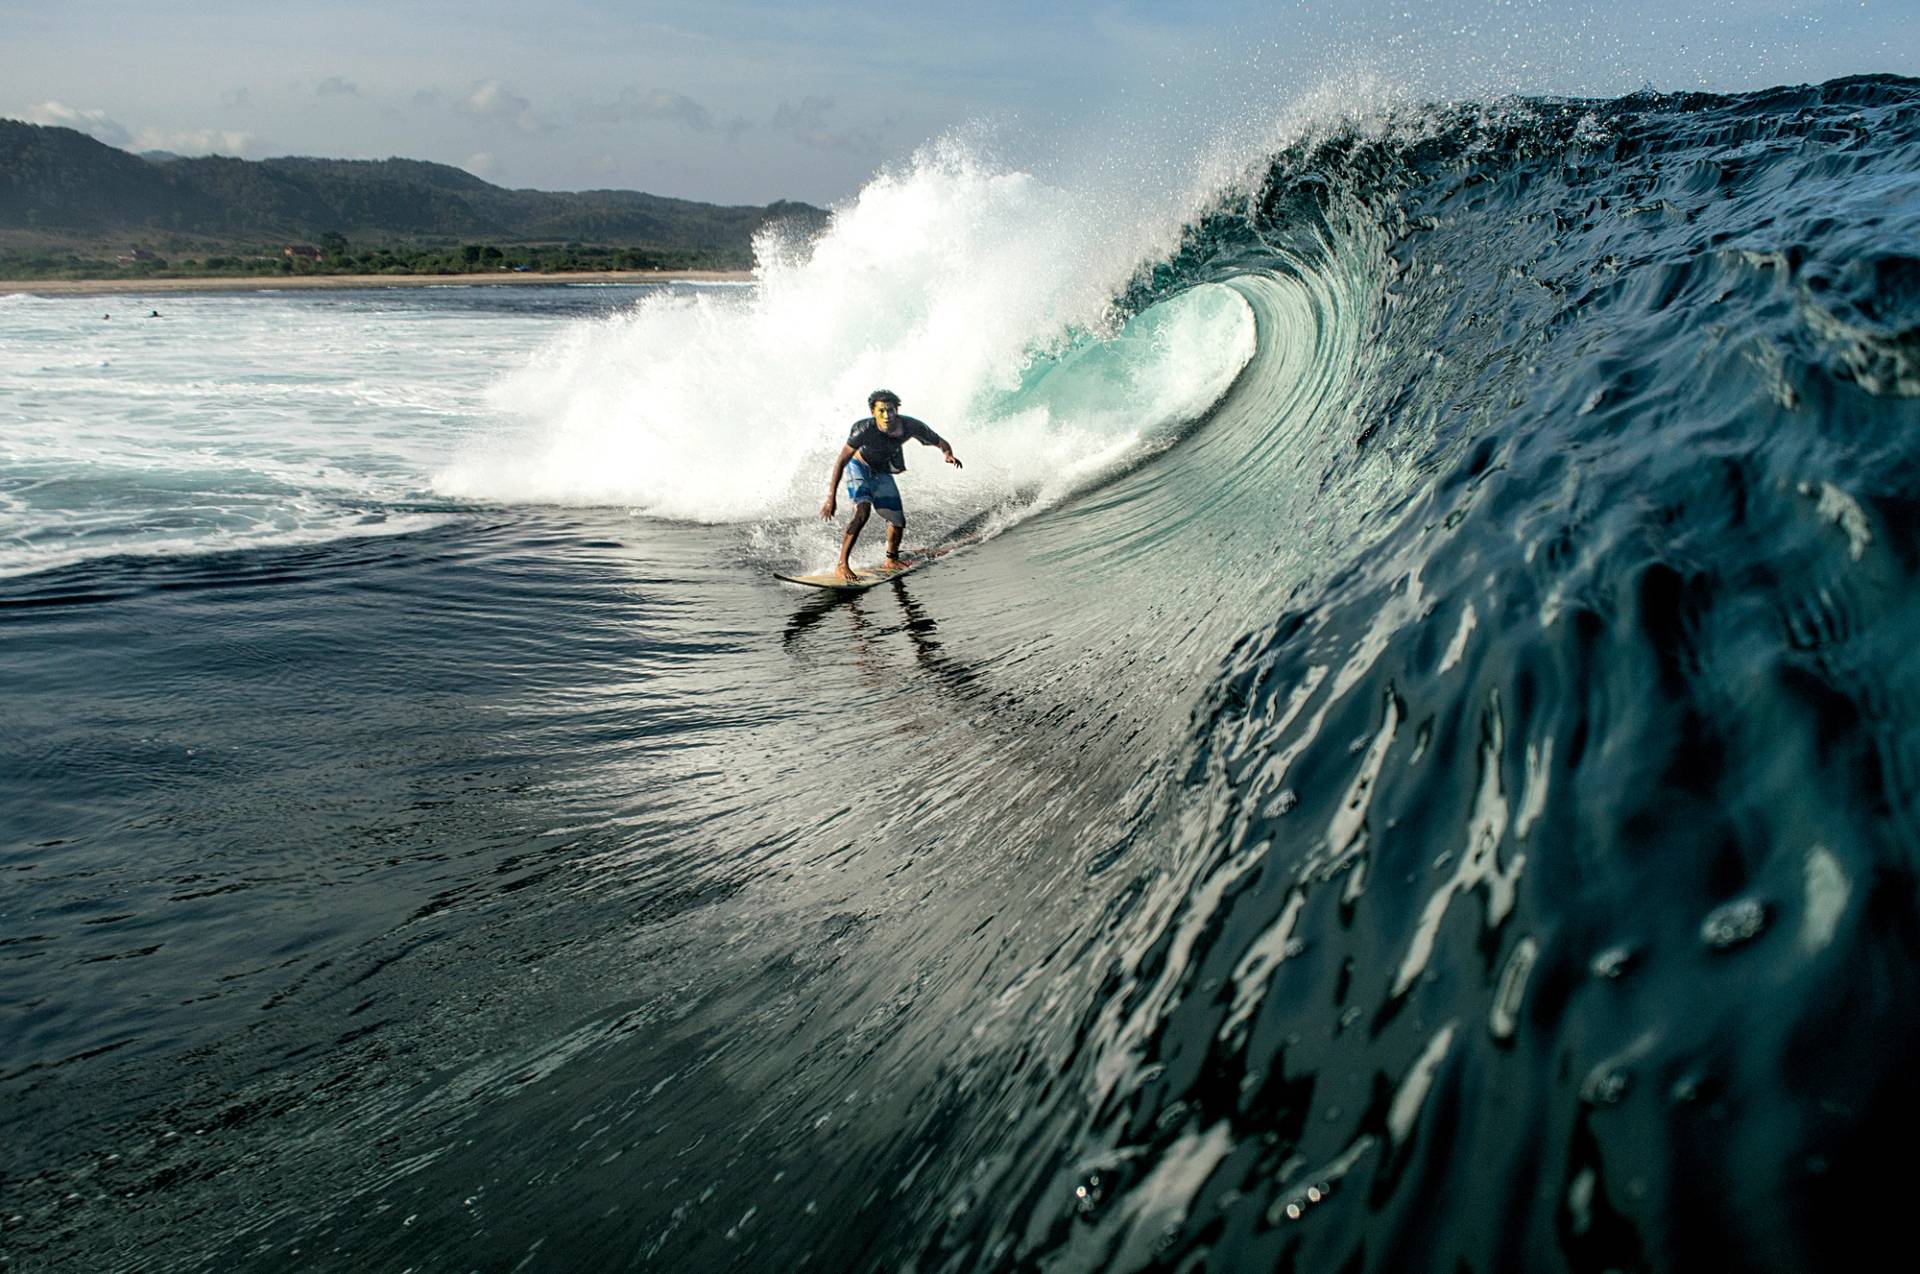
(1503,1018)
(1827,890)
(1580,1200)
(1607,1087)
(1734,923)
(1613,962)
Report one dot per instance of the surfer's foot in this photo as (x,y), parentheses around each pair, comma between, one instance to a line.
(843,571)
(894,564)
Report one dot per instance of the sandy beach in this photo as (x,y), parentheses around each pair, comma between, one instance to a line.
(285,282)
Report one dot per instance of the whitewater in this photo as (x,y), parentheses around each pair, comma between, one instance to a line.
(1413,766)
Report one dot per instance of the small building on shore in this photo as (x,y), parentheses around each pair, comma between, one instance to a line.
(301,252)
(132,255)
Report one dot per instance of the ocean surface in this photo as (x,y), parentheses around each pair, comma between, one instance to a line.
(1414,766)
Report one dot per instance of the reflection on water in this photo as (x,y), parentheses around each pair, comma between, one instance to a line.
(860,633)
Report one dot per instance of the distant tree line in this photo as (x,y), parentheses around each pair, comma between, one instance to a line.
(468,258)
(71,206)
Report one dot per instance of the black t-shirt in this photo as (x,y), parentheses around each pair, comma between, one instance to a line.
(880,449)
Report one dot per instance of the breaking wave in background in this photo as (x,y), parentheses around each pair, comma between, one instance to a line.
(987,293)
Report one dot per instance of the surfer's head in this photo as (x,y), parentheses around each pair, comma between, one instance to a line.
(884,404)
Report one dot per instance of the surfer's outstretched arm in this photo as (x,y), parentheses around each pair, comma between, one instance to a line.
(931,439)
(833,483)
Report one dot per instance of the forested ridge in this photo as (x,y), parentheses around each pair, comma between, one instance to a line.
(69,200)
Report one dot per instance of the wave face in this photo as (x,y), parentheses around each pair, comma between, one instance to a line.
(1420,776)
(1539,878)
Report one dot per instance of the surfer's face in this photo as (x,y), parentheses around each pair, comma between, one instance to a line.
(884,413)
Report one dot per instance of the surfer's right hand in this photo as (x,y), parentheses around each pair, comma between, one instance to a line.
(826,510)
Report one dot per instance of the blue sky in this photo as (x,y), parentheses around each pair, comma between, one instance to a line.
(745,101)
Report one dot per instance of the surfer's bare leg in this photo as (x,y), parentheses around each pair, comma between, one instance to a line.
(856,524)
(893,544)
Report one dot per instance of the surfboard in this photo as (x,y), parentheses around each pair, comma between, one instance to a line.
(861,581)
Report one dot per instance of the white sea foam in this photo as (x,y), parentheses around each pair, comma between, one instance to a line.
(982,292)
(229,422)
(945,282)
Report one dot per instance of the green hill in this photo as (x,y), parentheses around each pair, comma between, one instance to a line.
(65,198)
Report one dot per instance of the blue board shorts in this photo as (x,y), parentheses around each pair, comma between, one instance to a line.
(864,486)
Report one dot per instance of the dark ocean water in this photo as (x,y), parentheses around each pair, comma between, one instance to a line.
(1451,808)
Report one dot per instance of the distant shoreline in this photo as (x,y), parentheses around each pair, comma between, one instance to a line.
(307,282)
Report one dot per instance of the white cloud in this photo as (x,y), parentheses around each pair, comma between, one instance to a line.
(193,141)
(806,123)
(664,106)
(93,123)
(659,104)
(179,141)
(492,100)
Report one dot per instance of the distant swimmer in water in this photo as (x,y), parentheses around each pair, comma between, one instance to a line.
(155,314)
(870,458)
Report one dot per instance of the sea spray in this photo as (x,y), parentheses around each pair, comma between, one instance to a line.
(971,290)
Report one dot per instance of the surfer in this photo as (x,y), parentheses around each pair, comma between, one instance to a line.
(870,458)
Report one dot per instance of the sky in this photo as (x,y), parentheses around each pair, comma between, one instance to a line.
(745,101)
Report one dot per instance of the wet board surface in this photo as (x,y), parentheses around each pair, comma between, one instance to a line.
(861,581)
